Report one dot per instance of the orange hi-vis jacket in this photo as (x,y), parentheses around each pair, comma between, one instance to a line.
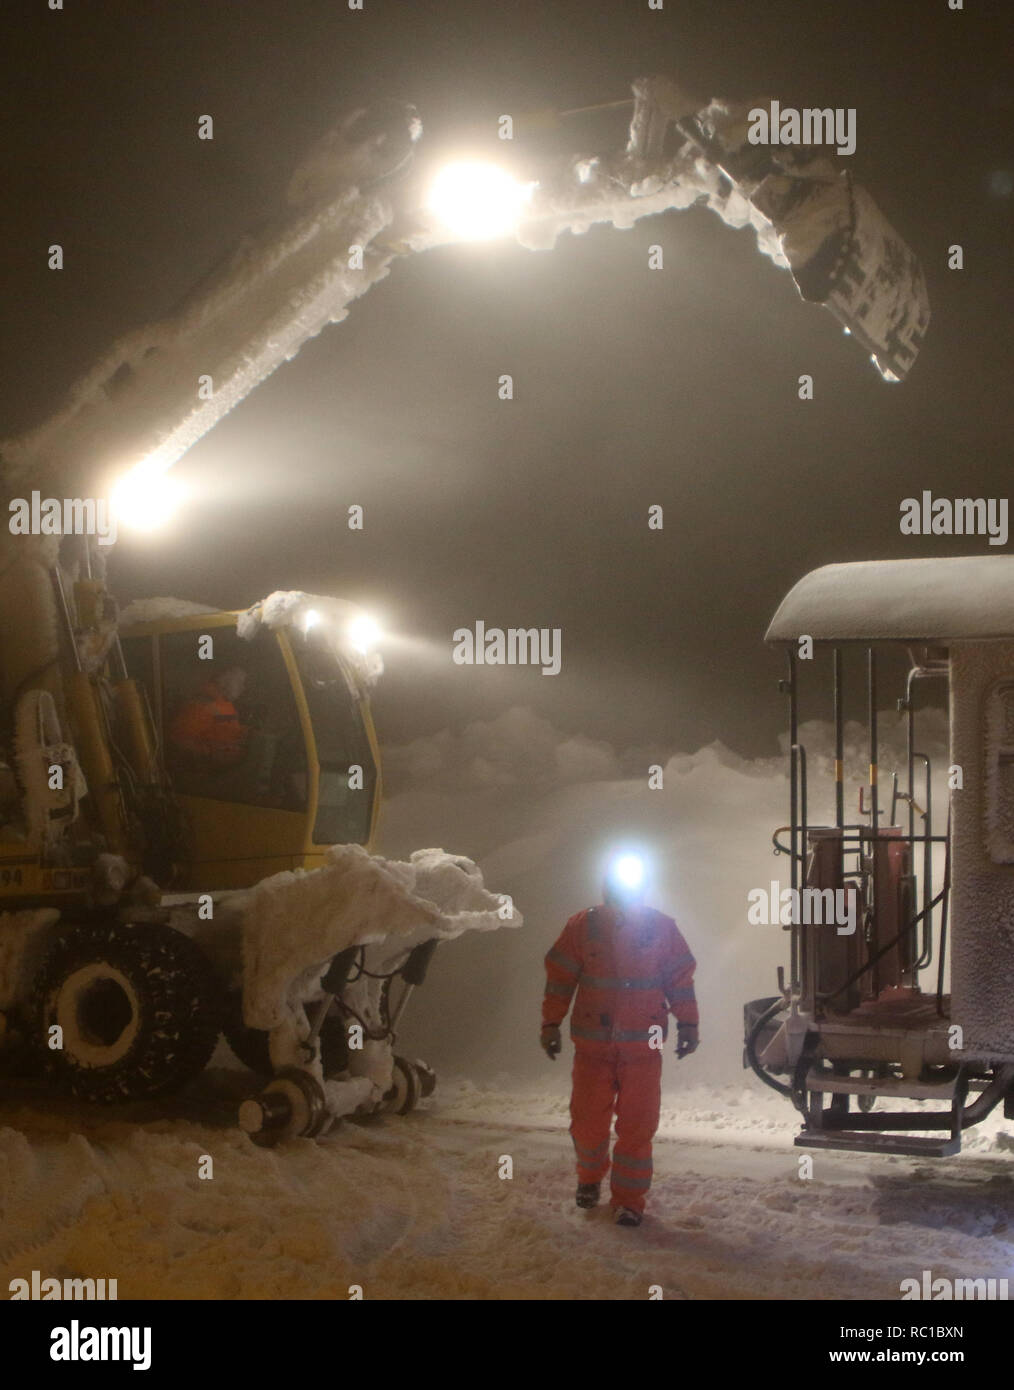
(208,725)
(630,971)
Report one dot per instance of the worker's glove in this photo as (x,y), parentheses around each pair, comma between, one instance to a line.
(687,1040)
(550,1041)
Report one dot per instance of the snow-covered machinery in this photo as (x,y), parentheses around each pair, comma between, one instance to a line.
(217,887)
(128,821)
(120,958)
(301,770)
(908,891)
(809,215)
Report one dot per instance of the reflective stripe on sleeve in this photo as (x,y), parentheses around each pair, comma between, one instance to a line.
(564,962)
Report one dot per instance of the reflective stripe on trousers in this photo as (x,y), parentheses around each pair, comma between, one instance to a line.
(625,1081)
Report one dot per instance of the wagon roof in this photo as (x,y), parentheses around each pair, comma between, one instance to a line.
(967,597)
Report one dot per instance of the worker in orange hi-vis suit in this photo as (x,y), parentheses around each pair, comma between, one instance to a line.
(206,729)
(631,967)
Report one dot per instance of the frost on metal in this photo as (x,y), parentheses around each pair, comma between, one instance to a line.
(982,953)
(999,759)
(808,214)
(347,219)
(334,619)
(281,285)
(141,401)
(39,745)
(156,610)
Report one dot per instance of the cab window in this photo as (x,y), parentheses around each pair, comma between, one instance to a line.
(230,724)
(344,813)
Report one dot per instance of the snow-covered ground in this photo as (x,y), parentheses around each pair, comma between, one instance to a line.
(415,1208)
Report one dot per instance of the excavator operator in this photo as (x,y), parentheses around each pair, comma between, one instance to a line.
(206,730)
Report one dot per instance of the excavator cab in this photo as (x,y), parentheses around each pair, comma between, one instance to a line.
(267,741)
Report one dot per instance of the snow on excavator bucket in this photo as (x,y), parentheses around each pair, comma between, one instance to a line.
(809,216)
(868,278)
(843,253)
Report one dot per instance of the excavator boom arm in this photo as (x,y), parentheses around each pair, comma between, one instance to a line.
(162,387)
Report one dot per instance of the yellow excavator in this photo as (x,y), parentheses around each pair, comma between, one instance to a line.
(155,760)
(299,768)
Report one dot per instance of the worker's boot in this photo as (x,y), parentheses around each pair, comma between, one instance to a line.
(588,1194)
(626,1216)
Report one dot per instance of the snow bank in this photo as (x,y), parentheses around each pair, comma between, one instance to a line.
(517,747)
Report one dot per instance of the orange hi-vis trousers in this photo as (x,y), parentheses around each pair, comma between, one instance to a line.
(625,972)
(626,1080)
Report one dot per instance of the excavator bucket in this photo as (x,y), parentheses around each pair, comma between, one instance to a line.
(809,215)
(843,253)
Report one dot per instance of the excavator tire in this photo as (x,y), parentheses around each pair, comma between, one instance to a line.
(404,1093)
(136,1006)
(251,1044)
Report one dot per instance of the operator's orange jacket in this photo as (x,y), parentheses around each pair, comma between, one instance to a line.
(630,971)
(208,725)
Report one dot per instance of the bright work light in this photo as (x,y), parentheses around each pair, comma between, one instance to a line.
(145,498)
(364,633)
(477,201)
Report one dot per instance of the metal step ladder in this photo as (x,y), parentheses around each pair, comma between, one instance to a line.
(883,1132)
(864,1141)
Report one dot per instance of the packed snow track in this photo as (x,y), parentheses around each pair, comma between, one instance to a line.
(416,1208)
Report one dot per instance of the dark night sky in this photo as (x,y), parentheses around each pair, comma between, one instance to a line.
(632,387)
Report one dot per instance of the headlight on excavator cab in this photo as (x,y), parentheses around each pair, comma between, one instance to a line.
(364,633)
